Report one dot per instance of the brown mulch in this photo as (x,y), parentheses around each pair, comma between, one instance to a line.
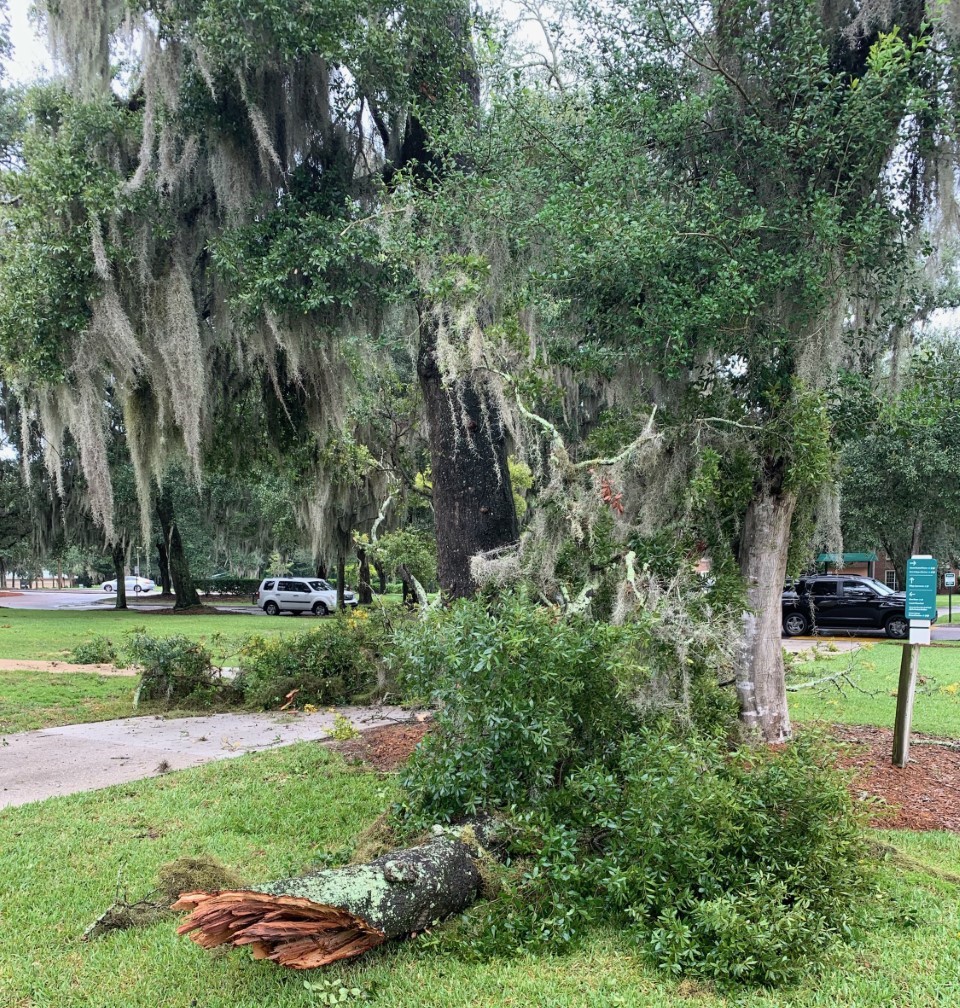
(384,749)
(924,795)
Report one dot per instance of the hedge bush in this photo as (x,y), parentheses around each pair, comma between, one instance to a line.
(177,668)
(339,660)
(226,586)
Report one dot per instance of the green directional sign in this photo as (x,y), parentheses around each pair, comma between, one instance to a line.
(921,588)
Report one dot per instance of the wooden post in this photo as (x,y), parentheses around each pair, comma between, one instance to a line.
(905,693)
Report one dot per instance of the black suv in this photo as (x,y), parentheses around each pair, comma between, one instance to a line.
(841,601)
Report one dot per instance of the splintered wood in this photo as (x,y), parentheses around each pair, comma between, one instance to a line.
(287,930)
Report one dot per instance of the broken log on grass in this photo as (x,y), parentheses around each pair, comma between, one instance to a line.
(340,913)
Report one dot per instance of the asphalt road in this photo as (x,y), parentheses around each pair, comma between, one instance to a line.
(77,598)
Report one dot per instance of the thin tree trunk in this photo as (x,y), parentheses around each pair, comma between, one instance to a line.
(3,573)
(915,539)
(472,500)
(364,588)
(341,577)
(164,564)
(339,913)
(322,569)
(187,596)
(120,573)
(761,686)
(381,576)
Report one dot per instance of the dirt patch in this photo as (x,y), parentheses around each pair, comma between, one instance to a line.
(924,795)
(385,749)
(21,664)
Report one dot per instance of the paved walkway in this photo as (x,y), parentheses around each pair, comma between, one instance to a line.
(59,761)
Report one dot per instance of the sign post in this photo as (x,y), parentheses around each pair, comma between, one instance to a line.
(921,610)
(950,581)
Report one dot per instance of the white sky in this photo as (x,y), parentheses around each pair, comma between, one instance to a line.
(29,59)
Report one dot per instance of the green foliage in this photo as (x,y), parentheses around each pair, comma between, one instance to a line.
(734,864)
(523,696)
(95,651)
(738,866)
(226,585)
(338,661)
(408,550)
(175,668)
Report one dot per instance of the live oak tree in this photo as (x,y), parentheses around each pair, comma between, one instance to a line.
(212,220)
(719,215)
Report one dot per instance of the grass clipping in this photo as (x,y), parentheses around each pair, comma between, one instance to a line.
(178,876)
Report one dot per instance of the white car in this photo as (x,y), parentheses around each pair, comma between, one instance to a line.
(134,584)
(297,595)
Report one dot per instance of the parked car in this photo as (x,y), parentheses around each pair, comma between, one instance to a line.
(134,584)
(297,595)
(844,602)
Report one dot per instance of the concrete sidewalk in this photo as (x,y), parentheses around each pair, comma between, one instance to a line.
(59,761)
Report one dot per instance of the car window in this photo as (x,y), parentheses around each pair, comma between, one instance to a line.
(856,589)
(823,588)
(319,586)
(298,586)
(879,587)
(268,586)
(285,586)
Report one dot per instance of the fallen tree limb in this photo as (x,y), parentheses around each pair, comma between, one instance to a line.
(340,913)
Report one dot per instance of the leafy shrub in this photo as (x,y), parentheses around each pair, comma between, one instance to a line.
(339,660)
(176,668)
(226,586)
(97,650)
(524,696)
(736,864)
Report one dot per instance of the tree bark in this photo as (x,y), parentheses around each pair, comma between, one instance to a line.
(163,563)
(338,913)
(472,500)
(120,573)
(915,541)
(179,567)
(341,576)
(761,685)
(322,569)
(381,576)
(364,588)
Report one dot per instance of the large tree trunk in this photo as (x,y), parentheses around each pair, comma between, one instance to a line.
(472,500)
(338,913)
(187,596)
(761,687)
(120,573)
(322,569)
(364,588)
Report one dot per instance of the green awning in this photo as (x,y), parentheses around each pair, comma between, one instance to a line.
(847,558)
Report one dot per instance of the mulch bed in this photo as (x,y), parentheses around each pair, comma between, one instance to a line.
(924,795)
(385,749)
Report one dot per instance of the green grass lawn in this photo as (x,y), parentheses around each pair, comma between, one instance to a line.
(30,699)
(943,602)
(53,634)
(273,814)
(875,669)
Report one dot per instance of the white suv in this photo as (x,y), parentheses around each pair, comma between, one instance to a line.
(299,595)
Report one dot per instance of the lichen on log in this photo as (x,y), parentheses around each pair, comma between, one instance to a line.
(339,913)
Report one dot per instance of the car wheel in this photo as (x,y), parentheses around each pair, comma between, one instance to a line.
(271,609)
(137,589)
(795,624)
(320,609)
(107,588)
(897,627)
